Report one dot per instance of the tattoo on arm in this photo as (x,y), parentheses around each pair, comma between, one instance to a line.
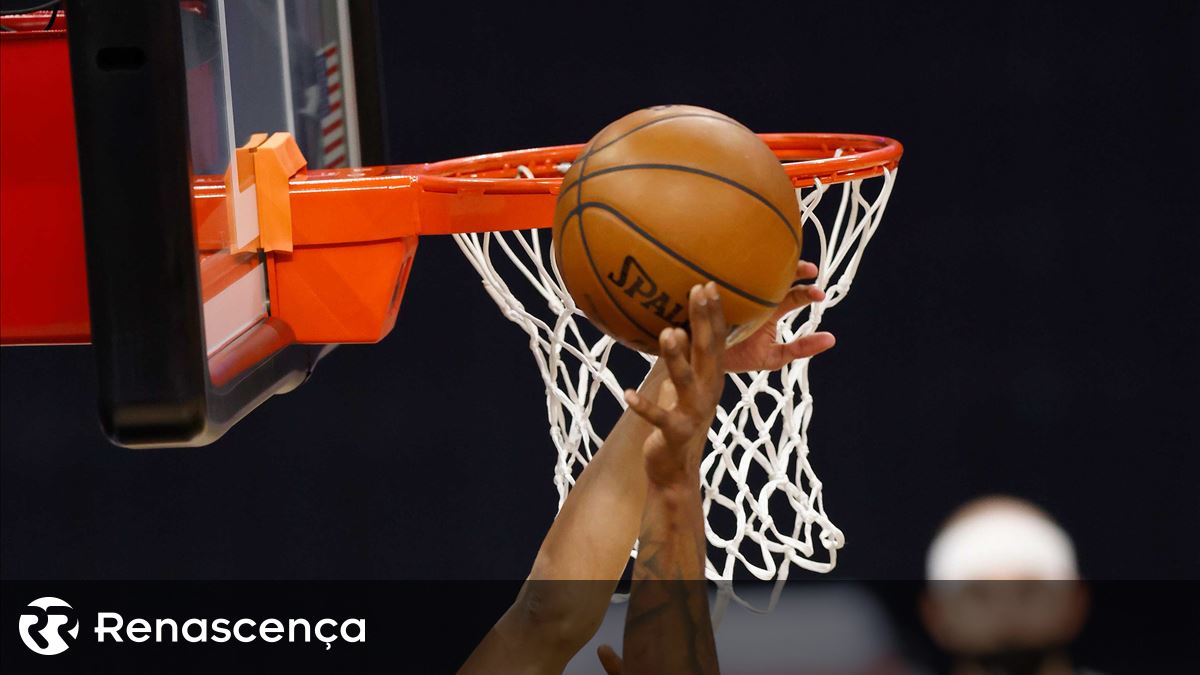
(667,628)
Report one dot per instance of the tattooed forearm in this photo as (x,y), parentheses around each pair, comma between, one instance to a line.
(667,628)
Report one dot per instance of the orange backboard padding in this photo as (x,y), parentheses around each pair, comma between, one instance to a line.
(43,276)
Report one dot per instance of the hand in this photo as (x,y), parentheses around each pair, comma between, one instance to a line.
(688,400)
(762,350)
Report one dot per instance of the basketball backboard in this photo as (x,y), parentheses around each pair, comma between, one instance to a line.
(178,297)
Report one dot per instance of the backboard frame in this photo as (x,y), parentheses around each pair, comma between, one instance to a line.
(156,379)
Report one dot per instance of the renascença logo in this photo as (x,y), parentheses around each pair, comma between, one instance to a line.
(49,626)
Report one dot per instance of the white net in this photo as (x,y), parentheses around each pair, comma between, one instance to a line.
(764,505)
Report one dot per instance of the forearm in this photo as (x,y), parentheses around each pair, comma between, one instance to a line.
(597,525)
(667,628)
(672,536)
(582,557)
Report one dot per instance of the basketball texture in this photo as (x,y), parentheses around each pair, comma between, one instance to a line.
(666,198)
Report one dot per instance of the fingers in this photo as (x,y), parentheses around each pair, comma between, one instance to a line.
(799,296)
(707,320)
(673,343)
(702,336)
(810,345)
(646,409)
(806,270)
(609,660)
(716,313)
(667,396)
(780,355)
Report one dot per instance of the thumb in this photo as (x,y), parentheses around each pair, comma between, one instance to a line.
(609,660)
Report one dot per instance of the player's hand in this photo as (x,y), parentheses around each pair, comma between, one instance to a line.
(688,400)
(763,351)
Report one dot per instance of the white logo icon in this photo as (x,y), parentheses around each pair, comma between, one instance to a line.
(45,625)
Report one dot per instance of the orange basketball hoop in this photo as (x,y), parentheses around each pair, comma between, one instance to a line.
(807,158)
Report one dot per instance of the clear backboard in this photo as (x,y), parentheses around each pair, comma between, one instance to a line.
(179,287)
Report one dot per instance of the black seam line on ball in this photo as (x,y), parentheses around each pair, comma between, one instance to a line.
(587,252)
(660,120)
(666,249)
(698,172)
(585,156)
(579,211)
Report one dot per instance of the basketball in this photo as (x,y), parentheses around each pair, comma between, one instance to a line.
(666,198)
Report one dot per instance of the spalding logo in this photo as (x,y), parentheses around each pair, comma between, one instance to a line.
(635,281)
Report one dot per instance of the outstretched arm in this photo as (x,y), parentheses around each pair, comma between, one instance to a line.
(599,522)
(667,627)
(581,559)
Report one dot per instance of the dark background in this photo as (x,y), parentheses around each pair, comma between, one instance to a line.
(1024,322)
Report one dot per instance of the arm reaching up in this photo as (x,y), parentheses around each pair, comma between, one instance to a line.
(556,612)
(667,627)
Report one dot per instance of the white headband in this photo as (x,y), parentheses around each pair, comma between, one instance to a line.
(1001,543)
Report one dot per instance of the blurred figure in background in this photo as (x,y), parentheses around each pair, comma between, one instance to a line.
(1004,595)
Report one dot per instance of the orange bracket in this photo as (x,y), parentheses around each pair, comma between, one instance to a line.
(276,161)
(334,275)
(266,163)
